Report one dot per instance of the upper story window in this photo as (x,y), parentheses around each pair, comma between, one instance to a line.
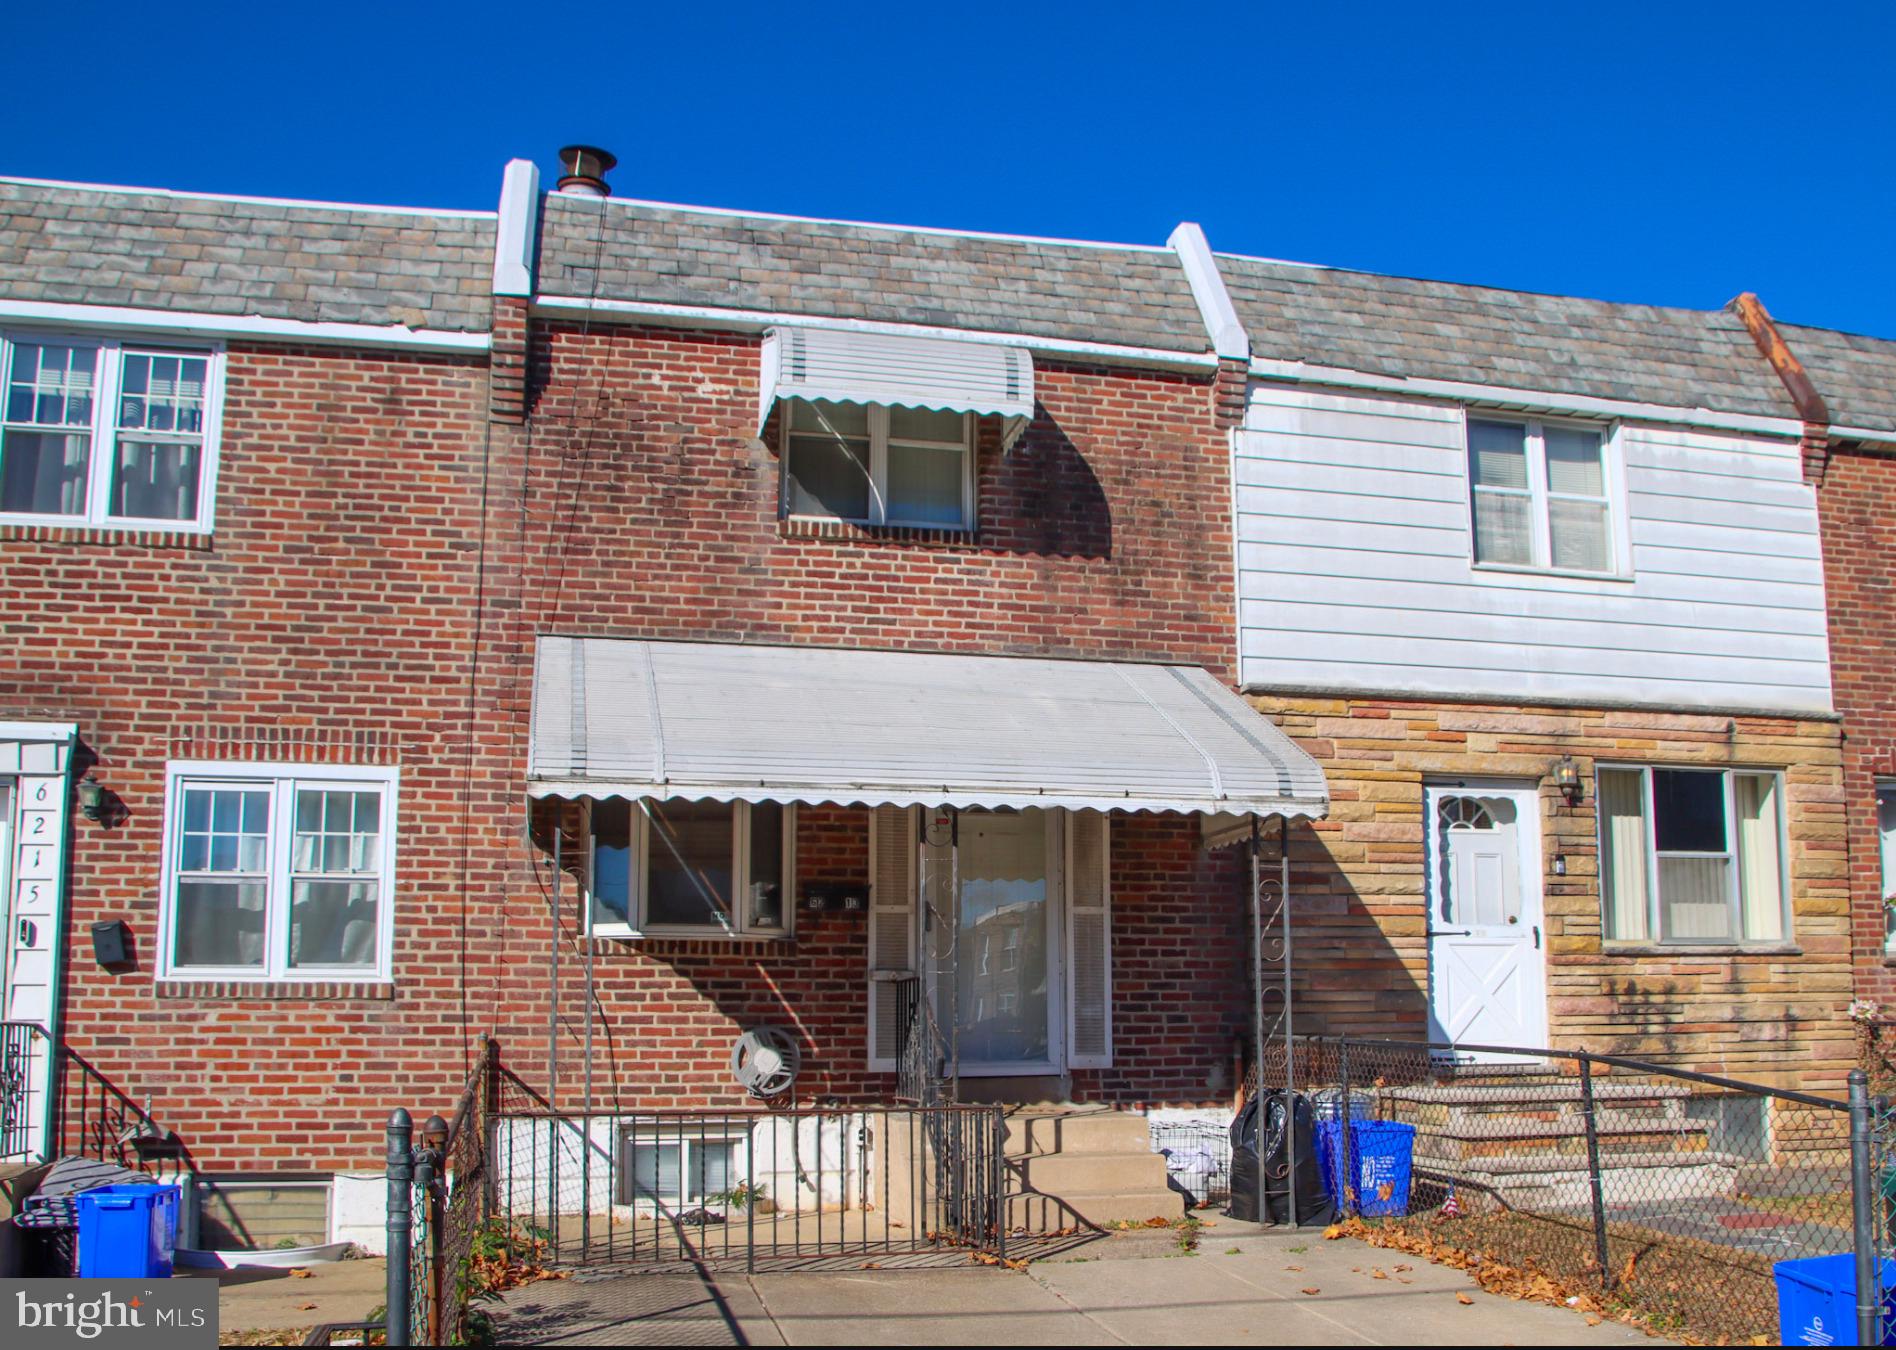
(96,431)
(1692,855)
(689,868)
(278,873)
(875,465)
(1541,495)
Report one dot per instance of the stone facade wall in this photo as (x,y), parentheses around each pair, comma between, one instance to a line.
(1776,1015)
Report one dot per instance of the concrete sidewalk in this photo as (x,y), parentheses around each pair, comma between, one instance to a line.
(1247,1289)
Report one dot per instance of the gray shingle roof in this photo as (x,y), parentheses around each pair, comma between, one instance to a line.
(153,250)
(1039,288)
(1855,374)
(1397,326)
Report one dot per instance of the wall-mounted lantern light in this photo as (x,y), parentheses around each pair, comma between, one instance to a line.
(91,797)
(1567,778)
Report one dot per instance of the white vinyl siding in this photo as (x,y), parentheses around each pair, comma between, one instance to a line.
(1357,572)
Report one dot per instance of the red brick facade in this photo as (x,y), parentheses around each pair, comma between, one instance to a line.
(329,620)
(1859,539)
(387,543)
(652,511)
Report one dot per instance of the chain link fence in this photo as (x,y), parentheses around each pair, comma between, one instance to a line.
(1631,1186)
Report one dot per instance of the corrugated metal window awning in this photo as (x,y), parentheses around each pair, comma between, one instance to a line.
(735,722)
(844,366)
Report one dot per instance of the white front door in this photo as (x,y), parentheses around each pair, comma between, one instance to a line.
(1487,980)
(991,925)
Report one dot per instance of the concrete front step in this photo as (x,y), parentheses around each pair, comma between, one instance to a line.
(1034,1212)
(1089,1173)
(1548,1184)
(1075,1129)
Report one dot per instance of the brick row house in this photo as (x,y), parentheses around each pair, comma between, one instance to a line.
(616,627)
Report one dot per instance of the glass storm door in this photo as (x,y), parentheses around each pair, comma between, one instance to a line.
(993,955)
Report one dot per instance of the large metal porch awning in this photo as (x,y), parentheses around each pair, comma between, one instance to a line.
(741,722)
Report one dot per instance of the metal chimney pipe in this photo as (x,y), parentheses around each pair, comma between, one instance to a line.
(584,169)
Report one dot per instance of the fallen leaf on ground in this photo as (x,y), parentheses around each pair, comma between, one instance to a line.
(1463,1299)
(1594,1319)
(299,1274)
(1312,1289)
(307,1307)
(1378,1273)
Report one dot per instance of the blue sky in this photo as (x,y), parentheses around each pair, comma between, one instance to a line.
(1673,153)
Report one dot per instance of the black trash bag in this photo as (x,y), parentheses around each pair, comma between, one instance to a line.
(1313,1205)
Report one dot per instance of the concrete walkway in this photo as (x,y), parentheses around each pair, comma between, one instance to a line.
(1121,1290)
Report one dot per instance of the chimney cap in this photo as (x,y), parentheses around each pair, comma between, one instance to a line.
(584,169)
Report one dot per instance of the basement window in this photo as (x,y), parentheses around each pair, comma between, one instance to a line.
(277,872)
(669,1170)
(691,869)
(875,465)
(1692,856)
(96,431)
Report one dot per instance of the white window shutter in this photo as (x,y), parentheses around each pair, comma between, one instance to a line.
(1089,942)
(891,927)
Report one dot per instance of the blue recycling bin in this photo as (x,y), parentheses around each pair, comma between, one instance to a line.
(127,1232)
(1817,1300)
(1379,1168)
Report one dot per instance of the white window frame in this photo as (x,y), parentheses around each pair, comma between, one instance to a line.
(1885,847)
(878,497)
(282,780)
(1612,469)
(641,927)
(1734,900)
(105,432)
(685,1137)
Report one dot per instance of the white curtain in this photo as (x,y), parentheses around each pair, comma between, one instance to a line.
(1622,805)
(1760,864)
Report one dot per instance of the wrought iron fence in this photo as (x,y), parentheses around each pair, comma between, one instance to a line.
(510,1181)
(1640,1187)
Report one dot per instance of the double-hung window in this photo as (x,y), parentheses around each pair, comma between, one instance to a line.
(691,868)
(278,872)
(98,431)
(1541,495)
(875,465)
(1692,855)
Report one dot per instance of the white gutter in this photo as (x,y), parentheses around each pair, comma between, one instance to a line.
(755,321)
(1301,372)
(1838,433)
(1228,338)
(513,241)
(194,323)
